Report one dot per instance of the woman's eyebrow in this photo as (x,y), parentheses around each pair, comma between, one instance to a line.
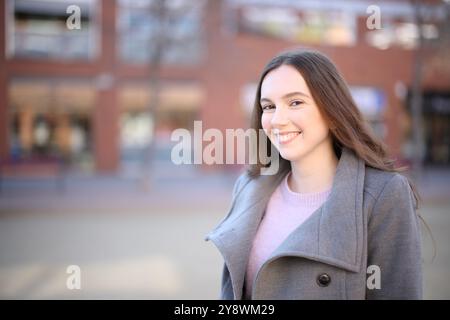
(288,95)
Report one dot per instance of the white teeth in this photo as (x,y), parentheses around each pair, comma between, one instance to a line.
(285,136)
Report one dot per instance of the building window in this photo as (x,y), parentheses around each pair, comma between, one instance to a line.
(141,28)
(38,29)
(404,35)
(315,27)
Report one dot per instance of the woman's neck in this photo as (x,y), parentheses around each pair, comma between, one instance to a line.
(314,172)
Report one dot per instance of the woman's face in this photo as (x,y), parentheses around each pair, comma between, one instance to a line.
(291,118)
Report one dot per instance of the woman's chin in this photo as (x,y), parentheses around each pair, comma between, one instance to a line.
(290,156)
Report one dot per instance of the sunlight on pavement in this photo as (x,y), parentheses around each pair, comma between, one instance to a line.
(151,277)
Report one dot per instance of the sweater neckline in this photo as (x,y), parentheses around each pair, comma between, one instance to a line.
(307,199)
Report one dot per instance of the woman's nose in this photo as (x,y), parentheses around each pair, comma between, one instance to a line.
(279,118)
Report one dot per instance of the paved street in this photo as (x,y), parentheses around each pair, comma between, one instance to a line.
(132,243)
(136,254)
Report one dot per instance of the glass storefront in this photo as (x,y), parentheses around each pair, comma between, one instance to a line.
(52,120)
(436,126)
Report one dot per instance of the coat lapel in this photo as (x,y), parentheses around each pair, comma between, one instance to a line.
(332,234)
(234,236)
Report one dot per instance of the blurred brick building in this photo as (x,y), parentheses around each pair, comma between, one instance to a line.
(84,93)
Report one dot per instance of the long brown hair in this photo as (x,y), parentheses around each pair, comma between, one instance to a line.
(348,128)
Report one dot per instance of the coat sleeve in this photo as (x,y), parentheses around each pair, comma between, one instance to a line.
(394,243)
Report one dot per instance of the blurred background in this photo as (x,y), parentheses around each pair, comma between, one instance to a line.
(91,90)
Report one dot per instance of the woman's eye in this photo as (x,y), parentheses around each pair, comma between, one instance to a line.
(296,103)
(267,107)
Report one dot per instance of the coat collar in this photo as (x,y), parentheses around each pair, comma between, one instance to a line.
(333,234)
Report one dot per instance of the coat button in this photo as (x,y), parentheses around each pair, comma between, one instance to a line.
(323,280)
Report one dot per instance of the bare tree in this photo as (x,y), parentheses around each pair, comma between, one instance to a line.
(166,14)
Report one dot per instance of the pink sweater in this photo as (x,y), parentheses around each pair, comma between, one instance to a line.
(285,211)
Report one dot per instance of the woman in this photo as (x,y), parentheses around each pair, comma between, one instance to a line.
(337,221)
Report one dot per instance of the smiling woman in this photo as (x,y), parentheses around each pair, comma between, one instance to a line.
(336,211)
(294,124)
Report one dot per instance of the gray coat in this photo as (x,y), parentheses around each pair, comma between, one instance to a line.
(369,221)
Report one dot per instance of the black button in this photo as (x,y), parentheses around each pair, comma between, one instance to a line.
(323,280)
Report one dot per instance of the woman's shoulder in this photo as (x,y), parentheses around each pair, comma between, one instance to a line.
(242,180)
(390,185)
(240,184)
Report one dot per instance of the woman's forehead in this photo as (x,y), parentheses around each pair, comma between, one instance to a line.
(282,80)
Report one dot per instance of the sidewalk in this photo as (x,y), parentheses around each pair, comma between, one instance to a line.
(129,242)
(167,187)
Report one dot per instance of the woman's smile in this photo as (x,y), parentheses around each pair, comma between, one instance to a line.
(285,137)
